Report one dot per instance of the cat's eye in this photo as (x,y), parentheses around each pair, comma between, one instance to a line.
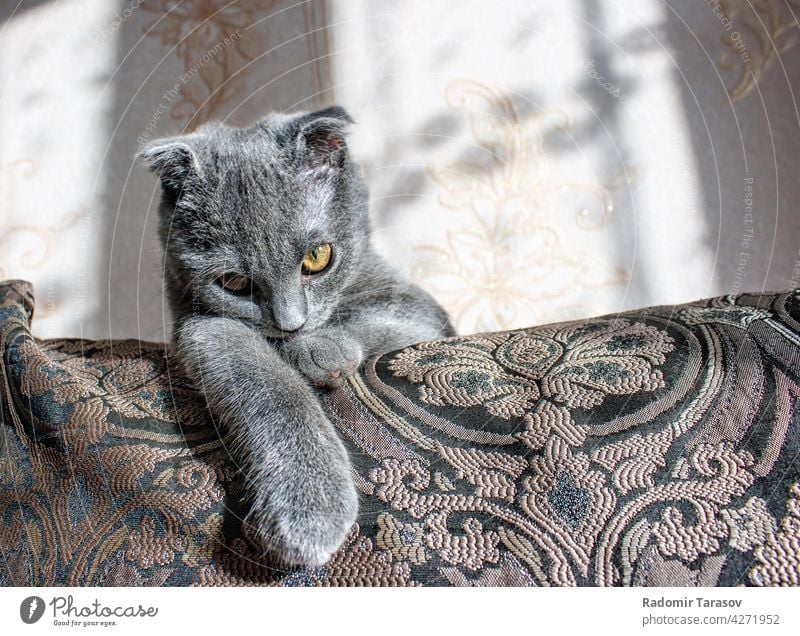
(234,283)
(317,259)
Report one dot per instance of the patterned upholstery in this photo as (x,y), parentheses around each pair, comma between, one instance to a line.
(657,447)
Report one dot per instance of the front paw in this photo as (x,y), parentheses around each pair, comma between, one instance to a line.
(304,521)
(326,357)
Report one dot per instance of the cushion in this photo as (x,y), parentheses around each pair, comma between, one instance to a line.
(655,447)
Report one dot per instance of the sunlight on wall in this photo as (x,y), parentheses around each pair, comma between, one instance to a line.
(673,260)
(529,162)
(52,101)
(509,177)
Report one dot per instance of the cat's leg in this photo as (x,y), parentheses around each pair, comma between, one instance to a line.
(364,327)
(296,469)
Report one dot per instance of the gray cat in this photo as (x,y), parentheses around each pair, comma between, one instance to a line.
(276,290)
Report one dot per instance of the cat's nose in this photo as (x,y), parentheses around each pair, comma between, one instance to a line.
(292,330)
(289,310)
(289,322)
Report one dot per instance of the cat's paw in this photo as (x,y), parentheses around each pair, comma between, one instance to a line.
(325,357)
(304,523)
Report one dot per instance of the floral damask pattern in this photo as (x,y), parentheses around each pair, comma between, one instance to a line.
(586,453)
(757,32)
(214,41)
(405,541)
(506,250)
(576,366)
(778,559)
(608,474)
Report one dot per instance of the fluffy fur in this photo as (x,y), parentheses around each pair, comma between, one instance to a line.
(254,201)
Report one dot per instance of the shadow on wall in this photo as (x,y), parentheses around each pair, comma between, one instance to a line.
(270,65)
(13,8)
(606,130)
(494,199)
(739,99)
(178,66)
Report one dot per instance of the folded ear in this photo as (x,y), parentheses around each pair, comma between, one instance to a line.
(321,139)
(173,161)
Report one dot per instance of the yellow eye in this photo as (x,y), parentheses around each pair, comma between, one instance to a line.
(235,283)
(317,259)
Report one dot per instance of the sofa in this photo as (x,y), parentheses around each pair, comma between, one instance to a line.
(653,447)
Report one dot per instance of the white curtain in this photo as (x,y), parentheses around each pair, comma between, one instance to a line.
(529,161)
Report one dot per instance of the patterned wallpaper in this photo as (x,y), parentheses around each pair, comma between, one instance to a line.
(505,253)
(528,161)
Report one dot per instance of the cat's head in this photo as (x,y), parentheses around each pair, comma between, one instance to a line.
(264,224)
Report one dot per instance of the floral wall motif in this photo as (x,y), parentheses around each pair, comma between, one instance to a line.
(508,175)
(757,33)
(38,238)
(506,254)
(215,41)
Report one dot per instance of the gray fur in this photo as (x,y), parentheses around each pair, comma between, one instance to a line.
(253,201)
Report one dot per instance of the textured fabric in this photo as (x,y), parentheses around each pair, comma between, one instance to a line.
(658,447)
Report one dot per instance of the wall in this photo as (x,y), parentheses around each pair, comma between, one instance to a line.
(528,161)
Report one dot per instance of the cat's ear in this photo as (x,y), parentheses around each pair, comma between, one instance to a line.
(321,138)
(173,161)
